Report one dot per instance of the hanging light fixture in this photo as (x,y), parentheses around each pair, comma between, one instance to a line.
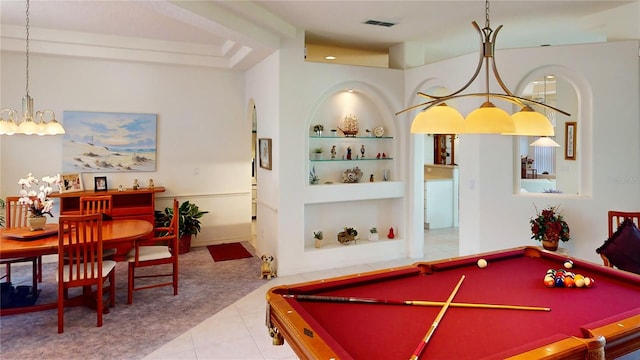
(545,140)
(442,119)
(30,123)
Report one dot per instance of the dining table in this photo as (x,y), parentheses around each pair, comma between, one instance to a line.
(22,242)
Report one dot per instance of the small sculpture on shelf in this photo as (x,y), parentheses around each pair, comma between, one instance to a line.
(349,126)
(151,184)
(391,235)
(349,153)
(352,175)
(347,236)
(333,152)
(136,184)
(362,151)
(318,236)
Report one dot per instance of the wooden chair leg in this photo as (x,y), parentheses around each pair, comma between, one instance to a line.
(60,309)
(130,284)
(8,270)
(112,289)
(99,299)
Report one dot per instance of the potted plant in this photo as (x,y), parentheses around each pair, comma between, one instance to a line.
(317,235)
(318,129)
(347,236)
(373,234)
(549,227)
(317,152)
(313,178)
(38,202)
(188,226)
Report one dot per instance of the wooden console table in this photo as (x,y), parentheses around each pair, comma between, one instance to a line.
(127,204)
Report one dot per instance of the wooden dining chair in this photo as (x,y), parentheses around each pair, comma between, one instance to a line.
(102,204)
(615,219)
(159,250)
(16,216)
(79,240)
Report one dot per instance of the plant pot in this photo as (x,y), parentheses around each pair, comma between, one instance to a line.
(317,156)
(318,243)
(373,237)
(36,222)
(184,244)
(550,245)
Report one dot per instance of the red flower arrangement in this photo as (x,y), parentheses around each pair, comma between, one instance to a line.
(549,225)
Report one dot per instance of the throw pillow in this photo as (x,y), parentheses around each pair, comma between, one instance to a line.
(623,248)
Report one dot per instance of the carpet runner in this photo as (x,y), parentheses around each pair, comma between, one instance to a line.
(232,251)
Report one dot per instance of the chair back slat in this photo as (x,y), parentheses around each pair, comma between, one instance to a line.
(96,204)
(616,218)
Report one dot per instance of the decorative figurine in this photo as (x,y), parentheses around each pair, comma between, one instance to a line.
(333,152)
(391,235)
(120,188)
(378,156)
(136,184)
(151,184)
(349,153)
(362,151)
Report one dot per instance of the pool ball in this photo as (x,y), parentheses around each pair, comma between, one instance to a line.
(588,282)
(569,282)
(482,263)
(568,264)
(579,282)
(559,282)
(549,282)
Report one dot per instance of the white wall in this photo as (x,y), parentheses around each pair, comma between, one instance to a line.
(203,138)
(607,79)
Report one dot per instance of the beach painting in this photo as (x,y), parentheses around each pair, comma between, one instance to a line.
(108,142)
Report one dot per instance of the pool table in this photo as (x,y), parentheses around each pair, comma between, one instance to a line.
(582,322)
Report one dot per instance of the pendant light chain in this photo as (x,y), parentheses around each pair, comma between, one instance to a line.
(27,49)
(487,22)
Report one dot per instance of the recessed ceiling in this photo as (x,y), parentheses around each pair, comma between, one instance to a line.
(238,34)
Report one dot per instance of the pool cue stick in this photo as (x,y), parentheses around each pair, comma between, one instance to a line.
(436,322)
(357,300)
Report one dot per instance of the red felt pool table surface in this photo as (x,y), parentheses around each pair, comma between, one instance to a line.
(576,322)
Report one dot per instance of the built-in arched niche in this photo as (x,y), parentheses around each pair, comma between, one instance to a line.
(544,166)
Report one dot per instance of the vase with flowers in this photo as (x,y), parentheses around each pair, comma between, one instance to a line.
(37,200)
(549,227)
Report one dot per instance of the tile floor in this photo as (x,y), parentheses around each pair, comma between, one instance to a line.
(239,332)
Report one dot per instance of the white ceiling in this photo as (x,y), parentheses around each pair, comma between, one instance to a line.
(237,34)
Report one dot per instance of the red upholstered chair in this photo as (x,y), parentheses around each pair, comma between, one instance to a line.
(16,216)
(79,242)
(161,249)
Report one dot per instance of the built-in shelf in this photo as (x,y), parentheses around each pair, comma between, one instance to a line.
(361,159)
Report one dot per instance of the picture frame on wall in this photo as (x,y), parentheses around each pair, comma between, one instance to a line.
(570,131)
(71,182)
(264,145)
(100,183)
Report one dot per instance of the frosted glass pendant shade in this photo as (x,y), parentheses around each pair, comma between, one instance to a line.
(545,142)
(489,119)
(440,119)
(531,123)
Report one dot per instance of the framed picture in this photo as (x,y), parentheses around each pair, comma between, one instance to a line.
(70,182)
(265,153)
(570,140)
(100,183)
(109,142)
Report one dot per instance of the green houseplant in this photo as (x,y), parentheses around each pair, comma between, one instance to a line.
(188,226)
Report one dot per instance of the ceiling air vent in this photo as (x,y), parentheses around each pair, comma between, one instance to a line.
(379,23)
